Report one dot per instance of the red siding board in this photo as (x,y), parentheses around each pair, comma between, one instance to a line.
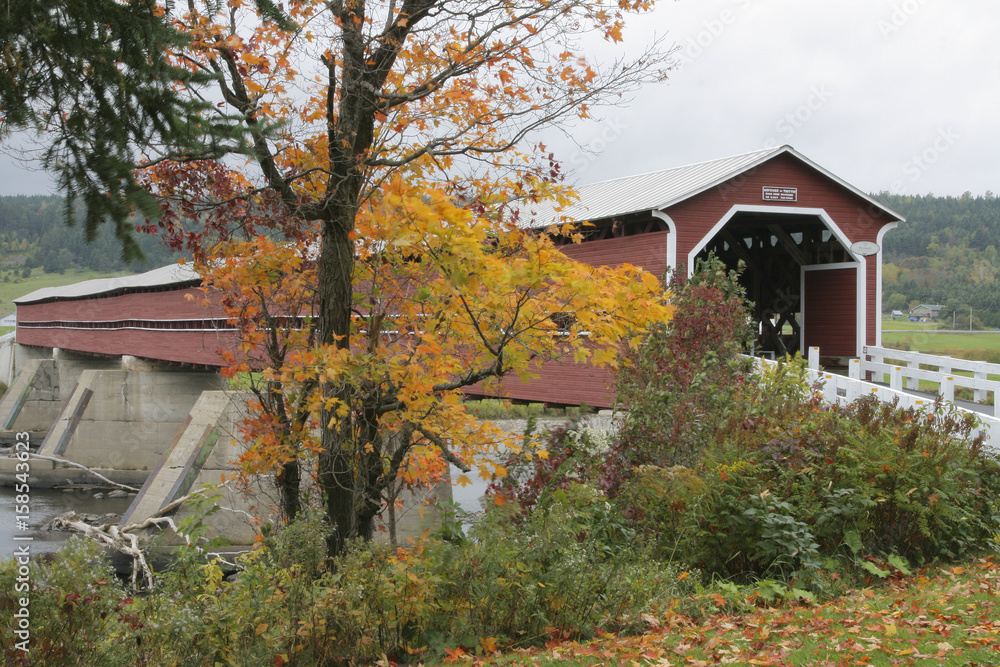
(186,347)
(190,347)
(182,304)
(558,382)
(831,311)
(566,382)
(648,251)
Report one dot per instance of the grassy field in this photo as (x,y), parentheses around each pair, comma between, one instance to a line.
(981,346)
(897,325)
(40,279)
(939,616)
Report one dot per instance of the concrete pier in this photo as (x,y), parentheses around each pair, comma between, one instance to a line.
(167,429)
(116,416)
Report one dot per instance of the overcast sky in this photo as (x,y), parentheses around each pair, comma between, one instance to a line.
(898,95)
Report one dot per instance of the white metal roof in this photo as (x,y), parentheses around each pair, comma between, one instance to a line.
(165,275)
(659,189)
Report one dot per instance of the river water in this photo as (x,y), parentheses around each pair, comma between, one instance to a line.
(44,505)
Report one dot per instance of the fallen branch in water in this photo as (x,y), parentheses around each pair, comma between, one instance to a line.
(124,538)
(83,467)
(119,539)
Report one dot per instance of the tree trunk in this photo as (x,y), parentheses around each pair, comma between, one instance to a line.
(336,474)
(288,486)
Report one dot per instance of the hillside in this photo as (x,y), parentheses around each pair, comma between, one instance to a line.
(38,250)
(12,288)
(945,253)
(33,236)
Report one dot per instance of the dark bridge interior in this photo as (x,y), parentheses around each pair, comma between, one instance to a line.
(773,248)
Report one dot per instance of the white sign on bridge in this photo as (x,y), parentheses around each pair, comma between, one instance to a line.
(779,194)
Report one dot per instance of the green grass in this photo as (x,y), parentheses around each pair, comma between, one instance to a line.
(938,616)
(900,325)
(39,279)
(943,343)
(926,338)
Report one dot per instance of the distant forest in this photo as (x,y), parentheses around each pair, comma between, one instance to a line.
(33,235)
(947,253)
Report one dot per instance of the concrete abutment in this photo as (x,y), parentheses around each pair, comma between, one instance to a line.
(166,429)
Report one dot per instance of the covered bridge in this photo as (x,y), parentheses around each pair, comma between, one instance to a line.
(160,315)
(811,243)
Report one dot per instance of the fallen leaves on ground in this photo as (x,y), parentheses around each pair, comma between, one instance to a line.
(940,616)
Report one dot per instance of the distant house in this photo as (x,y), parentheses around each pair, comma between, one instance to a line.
(926,311)
(8,320)
(896,315)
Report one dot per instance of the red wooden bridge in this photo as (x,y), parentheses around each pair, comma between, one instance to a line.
(811,243)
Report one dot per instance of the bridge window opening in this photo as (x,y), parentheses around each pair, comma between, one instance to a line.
(773,248)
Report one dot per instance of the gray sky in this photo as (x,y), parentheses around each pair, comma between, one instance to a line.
(898,95)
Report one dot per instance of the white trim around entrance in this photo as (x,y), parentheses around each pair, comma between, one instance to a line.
(779,210)
(878,281)
(859,262)
(671,240)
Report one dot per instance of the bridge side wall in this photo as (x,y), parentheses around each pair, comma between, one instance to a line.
(172,325)
(564,381)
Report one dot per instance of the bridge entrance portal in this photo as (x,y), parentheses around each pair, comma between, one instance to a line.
(787,256)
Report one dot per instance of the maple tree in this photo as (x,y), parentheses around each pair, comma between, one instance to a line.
(384,150)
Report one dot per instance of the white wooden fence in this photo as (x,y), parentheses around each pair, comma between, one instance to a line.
(901,369)
(842,389)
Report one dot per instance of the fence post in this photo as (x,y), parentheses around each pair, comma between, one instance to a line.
(853,391)
(814,358)
(896,378)
(948,388)
(854,369)
(829,388)
(979,395)
(913,382)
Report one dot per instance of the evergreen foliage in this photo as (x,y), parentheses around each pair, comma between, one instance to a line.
(91,79)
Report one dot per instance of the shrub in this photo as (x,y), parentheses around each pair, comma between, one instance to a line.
(677,387)
(572,453)
(79,614)
(566,569)
(569,567)
(867,480)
